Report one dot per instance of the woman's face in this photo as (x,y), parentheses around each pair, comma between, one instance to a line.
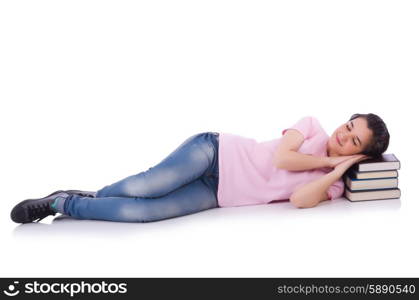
(350,138)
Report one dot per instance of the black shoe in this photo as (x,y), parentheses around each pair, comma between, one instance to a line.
(81,193)
(35,209)
(77,192)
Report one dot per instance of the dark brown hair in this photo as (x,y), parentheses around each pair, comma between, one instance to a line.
(380,135)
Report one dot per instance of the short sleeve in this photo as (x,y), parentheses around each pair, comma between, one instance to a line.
(336,190)
(305,125)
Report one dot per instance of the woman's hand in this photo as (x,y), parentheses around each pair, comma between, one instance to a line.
(333,161)
(346,164)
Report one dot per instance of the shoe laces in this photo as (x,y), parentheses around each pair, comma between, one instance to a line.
(39,211)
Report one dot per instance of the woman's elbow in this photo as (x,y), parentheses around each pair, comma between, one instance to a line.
(279,164)
(283,164)
(299,203)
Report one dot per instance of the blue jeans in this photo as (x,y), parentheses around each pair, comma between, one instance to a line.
(185,182)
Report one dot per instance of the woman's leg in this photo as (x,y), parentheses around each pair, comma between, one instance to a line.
(189,161)
(193,197)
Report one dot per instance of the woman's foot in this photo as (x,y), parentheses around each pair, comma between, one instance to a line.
(36,209)
(32,209)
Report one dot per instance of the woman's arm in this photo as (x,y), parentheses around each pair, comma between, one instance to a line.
(295,161)
(313,193)
(287,157)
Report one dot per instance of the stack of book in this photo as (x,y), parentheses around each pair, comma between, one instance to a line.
(373,179)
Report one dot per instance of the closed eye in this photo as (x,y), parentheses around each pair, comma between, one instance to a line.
(353,140)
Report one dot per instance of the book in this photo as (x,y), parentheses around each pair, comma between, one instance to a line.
(383,163)
(370,184)
(373,174)
(379,194)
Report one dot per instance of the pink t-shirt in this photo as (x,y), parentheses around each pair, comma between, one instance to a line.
(248,175)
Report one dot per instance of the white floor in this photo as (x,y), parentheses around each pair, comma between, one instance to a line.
(337,238)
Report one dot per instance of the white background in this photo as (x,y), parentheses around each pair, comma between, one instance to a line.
(94,91)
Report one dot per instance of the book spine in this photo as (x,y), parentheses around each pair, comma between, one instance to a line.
(370,190)
(368,179)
